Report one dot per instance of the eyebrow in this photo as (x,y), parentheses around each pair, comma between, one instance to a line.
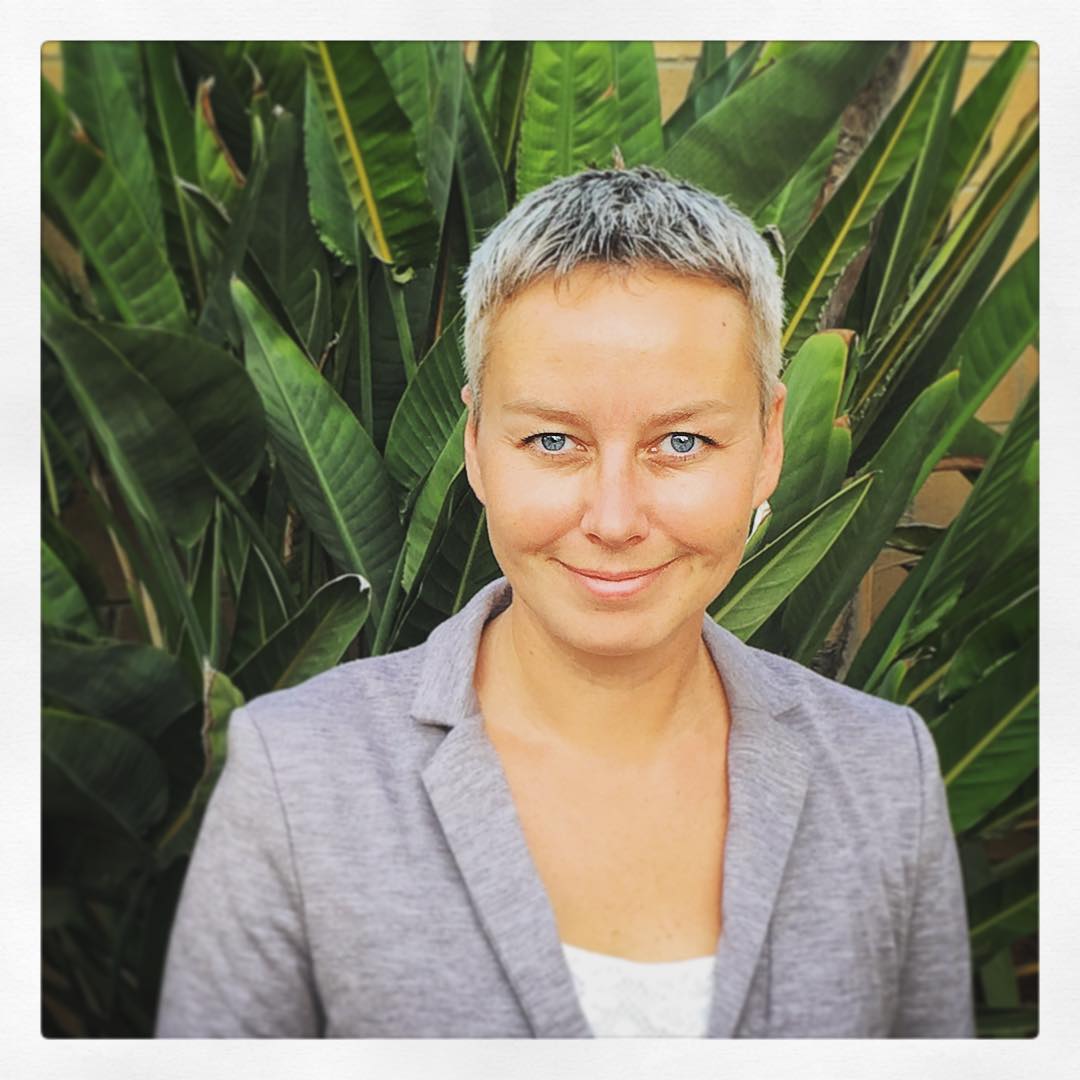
(672,416)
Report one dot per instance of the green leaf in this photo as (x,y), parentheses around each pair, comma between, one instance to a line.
(137,686)
(570,120)
(285,243)
(110,225)
(813,379)
(482,184)
(374,153)
(998,638)
(448,87)
(919,186)
(171,137)
(764,582)
(750,144)
(430,509)
(819,600)
(969,135)
(149,452)
(103,86)
(62,602)
(944,298)
(428,412)
(333,470)
(800,199)
(1004,910)
(987,740)
(218,174)
(312,641)
(638,133)
(715,76)
(113,769)
(209,392)
(842,229)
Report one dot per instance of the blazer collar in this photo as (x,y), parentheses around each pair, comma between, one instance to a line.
(768,773)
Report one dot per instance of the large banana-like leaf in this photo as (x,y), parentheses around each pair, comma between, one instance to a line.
(969,135)
(282,72)
(638,133)
(934,586)
(208,391)
(111,227)
(432,504)
(501,74)
(408,68)
(328,194)
(483,185)
(374,152)
(929,329)
(998,637)
(284,241)
(798,201)
(62,602)
(819,600)
(149,451)
(715,76)
(448,86)
(1006,908)
(813,379)
(842,229)
(764,582)
(314,639)
(944,299)
(987,741)
(460,565)
(570,119)
(137,686)
(333,470)
(96,765)
(216,168)
(903,243)
(103,87)
(258,612)
(749,145)
(428,413)
(172,144)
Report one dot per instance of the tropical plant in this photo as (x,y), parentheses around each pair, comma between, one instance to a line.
(251,361)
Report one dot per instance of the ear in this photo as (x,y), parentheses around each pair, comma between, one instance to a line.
(472,466)
(772,453)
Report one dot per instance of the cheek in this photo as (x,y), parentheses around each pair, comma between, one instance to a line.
(529,510)
(706,512)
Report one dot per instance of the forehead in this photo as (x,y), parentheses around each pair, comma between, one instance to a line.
(602,332)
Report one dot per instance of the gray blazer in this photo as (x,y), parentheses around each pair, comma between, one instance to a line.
(361,870)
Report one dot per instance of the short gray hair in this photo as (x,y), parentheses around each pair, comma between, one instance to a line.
(631,218)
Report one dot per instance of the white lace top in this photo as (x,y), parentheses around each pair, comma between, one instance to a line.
(629,997)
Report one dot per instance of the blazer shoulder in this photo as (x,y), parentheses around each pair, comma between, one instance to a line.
(358,696)
(842,716)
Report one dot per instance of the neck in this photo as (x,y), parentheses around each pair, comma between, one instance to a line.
(620,708)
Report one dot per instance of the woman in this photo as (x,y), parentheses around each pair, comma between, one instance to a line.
(581,807)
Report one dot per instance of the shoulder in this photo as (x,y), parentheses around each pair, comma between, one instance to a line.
(858,742)
(359,702)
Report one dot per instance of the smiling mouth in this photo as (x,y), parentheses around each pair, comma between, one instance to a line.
(608,585)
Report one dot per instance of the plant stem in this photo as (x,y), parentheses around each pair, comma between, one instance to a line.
(50,480)
(386,617)
(401,322)
(459,597)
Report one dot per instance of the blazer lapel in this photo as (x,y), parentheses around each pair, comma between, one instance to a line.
(768,774)
(468,790)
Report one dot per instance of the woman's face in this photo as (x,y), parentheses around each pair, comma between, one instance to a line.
(621,433)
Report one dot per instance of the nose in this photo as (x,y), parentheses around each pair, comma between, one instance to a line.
(614,513)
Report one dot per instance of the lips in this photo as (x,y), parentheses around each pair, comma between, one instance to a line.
(608,585)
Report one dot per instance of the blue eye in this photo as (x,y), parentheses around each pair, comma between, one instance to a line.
(682,442)
(551,441)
